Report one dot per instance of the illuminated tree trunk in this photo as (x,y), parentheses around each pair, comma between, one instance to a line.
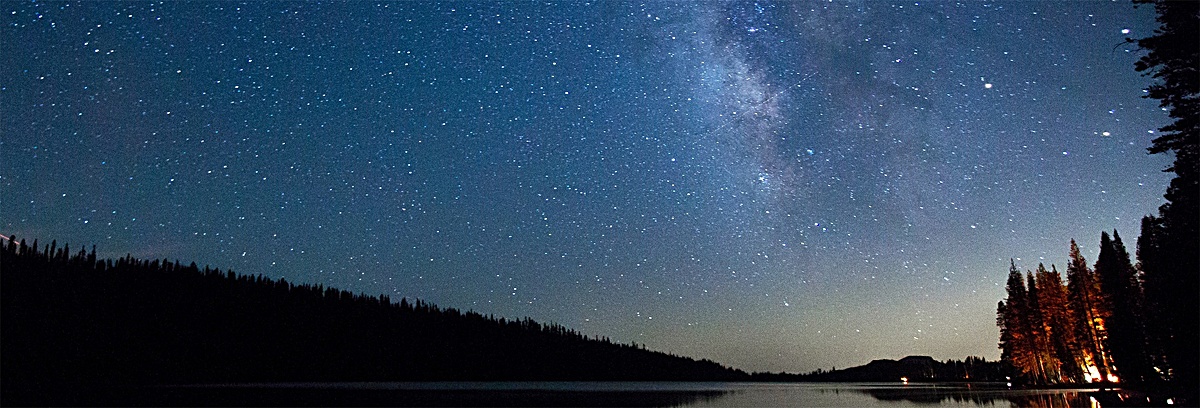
(1018,343)
(1047,364)
(1083,293)
(1052,300)
(1119,287)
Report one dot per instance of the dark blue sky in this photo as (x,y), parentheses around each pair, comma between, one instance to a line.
(775,186)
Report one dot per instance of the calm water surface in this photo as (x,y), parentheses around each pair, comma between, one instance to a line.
(684,394)
(891,395)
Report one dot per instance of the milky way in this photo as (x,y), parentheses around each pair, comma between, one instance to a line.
(775,186)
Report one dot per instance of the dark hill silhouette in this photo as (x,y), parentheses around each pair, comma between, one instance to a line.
(75,322)
(913,368)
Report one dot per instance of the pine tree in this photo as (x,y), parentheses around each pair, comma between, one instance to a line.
(1018,346)
(1088,314)
(1052,300)
(1172,281)
(1121,297)
(1007,342)
(1047,362)
(1152,263)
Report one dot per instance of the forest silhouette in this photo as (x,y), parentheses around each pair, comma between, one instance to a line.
(83,330)
(1119,321)
(915,369)
(74,323)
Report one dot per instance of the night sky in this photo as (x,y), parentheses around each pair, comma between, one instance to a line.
(775,186)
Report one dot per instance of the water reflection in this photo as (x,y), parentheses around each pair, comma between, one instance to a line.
(642,394)
(428,394)
(983,396)
(891,395)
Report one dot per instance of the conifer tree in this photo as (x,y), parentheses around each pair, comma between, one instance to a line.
(1007,342)
(1150,263)
(1047,364)
(1172,281)
(1052,300)
(1121,293)
(1018,347)
(1089,314)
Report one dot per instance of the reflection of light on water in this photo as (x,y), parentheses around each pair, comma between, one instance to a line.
(891,394)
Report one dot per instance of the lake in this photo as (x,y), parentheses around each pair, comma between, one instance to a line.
(674,394)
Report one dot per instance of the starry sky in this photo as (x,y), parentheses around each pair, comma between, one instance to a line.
(771,185)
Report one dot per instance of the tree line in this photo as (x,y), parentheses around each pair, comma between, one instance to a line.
(915,369)
(1110,322)
(72,321)
(1079,331)
(1120,321)
(1169,246)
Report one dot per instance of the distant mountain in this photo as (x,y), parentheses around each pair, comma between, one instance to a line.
(73,322)
(914,369)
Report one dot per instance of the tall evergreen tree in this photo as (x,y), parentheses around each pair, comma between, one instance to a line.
(1007,342)
(1173,280)
(1151,263)
(1120,293)
(1047,364)
(1089,314)
(1033,332)
(1017,343)
(1056,316)
(1025,343)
